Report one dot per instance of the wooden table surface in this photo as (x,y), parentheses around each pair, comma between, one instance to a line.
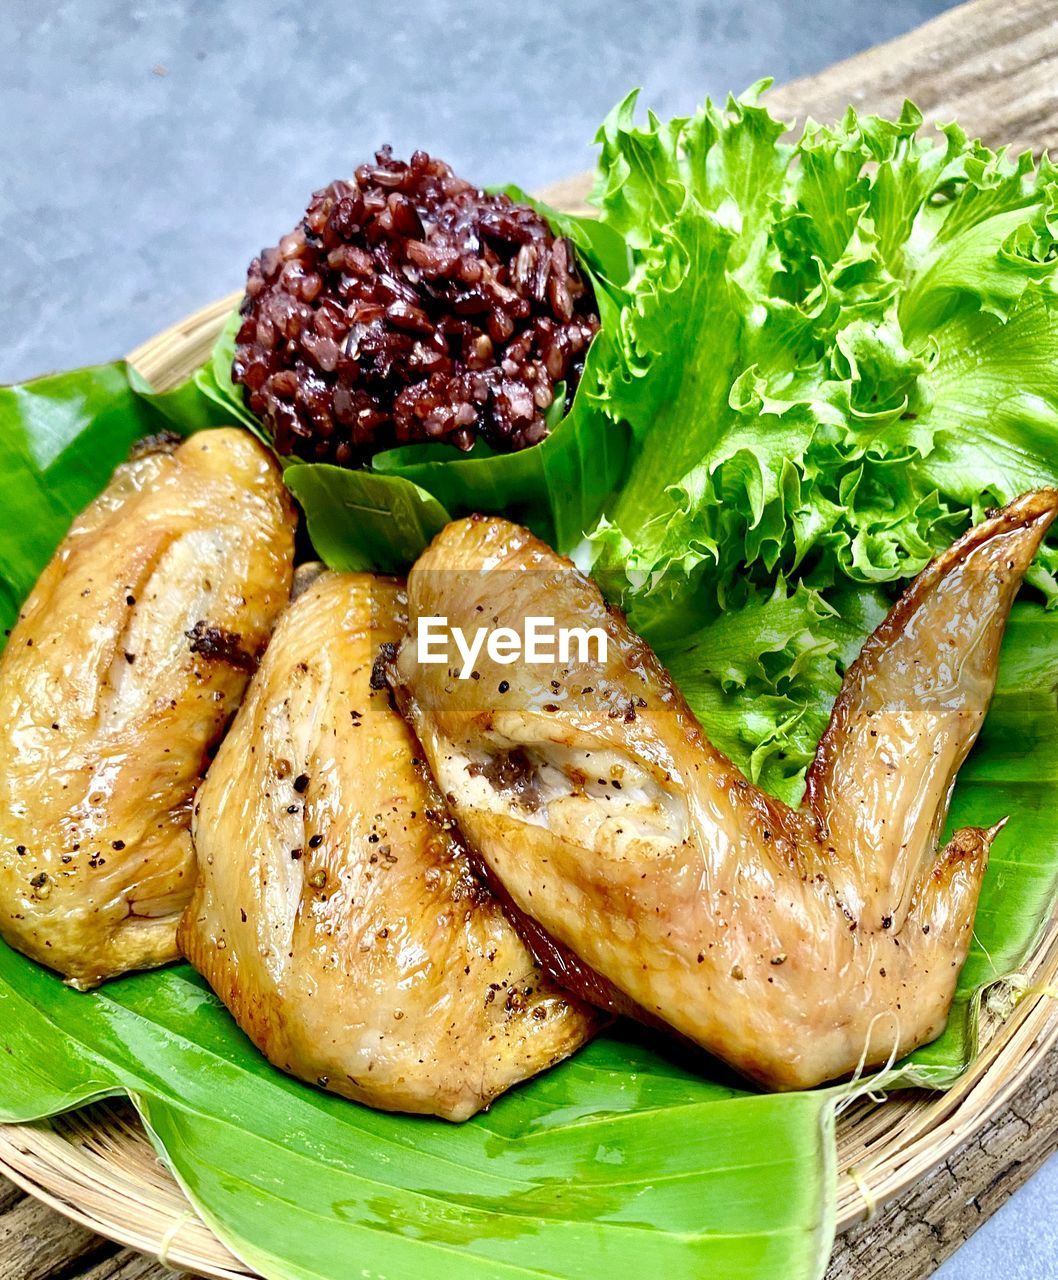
(993,65)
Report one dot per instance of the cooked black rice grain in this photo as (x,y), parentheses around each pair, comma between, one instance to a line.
(410,306)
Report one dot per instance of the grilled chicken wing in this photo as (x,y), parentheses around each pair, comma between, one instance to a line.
(793,944)
(129,656)
(336,915)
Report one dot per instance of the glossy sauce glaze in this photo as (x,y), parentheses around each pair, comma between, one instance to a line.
(336,912)
(127,660)
(794,944)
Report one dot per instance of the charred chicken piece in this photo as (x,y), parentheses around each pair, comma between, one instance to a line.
(794,945)
(336,914)
(127,660)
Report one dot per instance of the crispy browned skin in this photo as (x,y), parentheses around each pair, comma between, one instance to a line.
(336,914)
(109,709)
(793,944)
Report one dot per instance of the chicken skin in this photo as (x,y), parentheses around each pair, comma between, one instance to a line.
(127,660)
(336,914)
(795,945)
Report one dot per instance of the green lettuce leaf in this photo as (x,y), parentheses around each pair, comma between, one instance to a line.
(831,356)
(762,678)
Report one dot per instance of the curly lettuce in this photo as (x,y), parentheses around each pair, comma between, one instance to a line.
(831,355)
(762,678)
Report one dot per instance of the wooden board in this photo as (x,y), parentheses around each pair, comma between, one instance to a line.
(992,64)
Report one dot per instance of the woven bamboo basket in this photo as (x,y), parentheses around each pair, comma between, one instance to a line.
(98,1167)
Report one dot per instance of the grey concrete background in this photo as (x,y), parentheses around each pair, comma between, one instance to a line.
(148,150)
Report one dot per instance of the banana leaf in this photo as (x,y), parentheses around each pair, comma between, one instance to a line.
(60,439)
(630,1160)
(621,1162)
(360,520)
